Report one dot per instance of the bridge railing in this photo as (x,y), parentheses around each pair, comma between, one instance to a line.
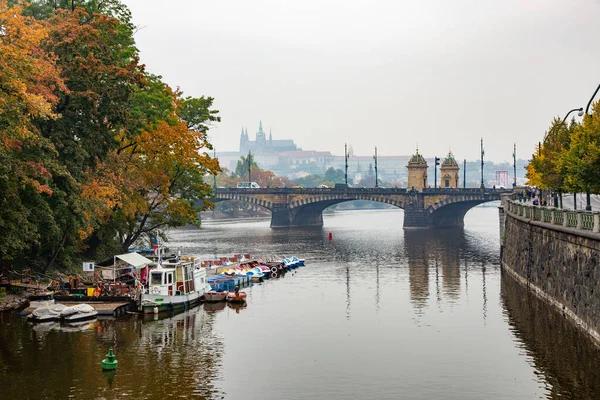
(358,190)
(581,220)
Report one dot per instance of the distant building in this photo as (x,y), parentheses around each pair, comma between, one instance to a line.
(262,145)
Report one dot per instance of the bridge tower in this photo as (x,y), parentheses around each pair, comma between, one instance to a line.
(417,172)
(449,172)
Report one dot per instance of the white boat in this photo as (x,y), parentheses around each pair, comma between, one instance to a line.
(46,312)
(213,296)
(176,284)
(79,312)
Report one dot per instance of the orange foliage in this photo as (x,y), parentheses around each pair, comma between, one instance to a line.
(28,75)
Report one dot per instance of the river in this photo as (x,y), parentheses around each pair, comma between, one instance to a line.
(377,313)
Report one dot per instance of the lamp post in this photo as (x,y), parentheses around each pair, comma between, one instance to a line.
(514,165)
(482,186)
(249,166)
(376,176)
(465,174)
(215,175)
(436,162)
(346,162)
(592,98)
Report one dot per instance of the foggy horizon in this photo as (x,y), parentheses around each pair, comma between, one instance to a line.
(389,74)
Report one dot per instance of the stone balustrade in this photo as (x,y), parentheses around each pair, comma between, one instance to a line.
(579,219)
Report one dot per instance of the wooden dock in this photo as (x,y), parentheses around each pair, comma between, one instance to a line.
(107,309)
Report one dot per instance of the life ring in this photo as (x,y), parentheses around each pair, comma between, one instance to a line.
(155,290)
(274,275)
(274,270)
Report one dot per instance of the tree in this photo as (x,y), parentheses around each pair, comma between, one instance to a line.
(334,175)
(153,181)
(29,170)
(582,160)
(241,169)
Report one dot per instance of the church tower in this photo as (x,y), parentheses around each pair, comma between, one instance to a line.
(261,138)
(417,172)
(243,141)
(449,172)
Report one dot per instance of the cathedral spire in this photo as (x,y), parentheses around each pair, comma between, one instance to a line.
(260,135)
(270,135)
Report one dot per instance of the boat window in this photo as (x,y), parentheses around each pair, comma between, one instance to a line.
(156,278)
(170,278)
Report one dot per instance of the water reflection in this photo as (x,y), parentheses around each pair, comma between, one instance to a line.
(416,251)
(61,361)
(557,349)
(341,326)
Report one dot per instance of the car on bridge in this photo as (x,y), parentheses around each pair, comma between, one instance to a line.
(248,185)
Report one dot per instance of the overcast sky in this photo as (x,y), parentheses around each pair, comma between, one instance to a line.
(385,73)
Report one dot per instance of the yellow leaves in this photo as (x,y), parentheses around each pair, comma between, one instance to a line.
(534,178)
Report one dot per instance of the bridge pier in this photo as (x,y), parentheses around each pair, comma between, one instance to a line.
(416,218)
(284,217)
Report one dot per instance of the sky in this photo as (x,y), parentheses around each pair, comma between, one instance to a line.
(395,74)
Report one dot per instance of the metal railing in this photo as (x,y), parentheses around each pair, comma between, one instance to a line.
(581,220)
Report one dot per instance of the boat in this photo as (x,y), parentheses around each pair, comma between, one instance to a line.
(46,313)
(177,283)
(214,296)
(79,312)
(255,274)
(236,297)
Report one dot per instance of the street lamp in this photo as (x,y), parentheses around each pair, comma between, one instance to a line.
(592,98)
(436,162)
(215,175)
(482,186)
(514,164)
(375,158)
(465,173)
(249,166)
(346,162)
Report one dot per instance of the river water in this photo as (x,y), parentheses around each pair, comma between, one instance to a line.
(377,313)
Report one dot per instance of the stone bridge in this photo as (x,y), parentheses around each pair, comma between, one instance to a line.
(422,209)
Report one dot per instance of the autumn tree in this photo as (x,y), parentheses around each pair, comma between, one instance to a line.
(29,168)
(582,160)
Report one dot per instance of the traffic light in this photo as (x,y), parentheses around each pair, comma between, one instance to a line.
(437,161)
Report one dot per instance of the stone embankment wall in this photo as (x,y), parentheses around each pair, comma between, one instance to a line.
(559,264)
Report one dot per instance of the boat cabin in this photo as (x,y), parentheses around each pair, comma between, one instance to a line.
(177,277)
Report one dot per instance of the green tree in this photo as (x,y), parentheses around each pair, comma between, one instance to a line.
(241,169)
(334,175)
(582,160)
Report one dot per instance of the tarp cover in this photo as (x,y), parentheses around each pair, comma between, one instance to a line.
(134,259)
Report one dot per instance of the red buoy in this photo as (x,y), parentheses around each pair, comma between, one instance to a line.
(330,236)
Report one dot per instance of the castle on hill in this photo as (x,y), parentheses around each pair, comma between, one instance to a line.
(262,145)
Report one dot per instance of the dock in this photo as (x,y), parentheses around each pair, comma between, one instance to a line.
(104,308)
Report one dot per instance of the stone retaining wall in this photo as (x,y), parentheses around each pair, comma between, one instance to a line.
(560,265)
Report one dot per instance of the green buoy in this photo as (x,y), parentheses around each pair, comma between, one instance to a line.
(109,363)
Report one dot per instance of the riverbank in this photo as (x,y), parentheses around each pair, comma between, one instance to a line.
(13,302)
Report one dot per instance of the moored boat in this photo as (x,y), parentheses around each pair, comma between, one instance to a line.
(236,296)
(178,283)
(79,312)
(214,296)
